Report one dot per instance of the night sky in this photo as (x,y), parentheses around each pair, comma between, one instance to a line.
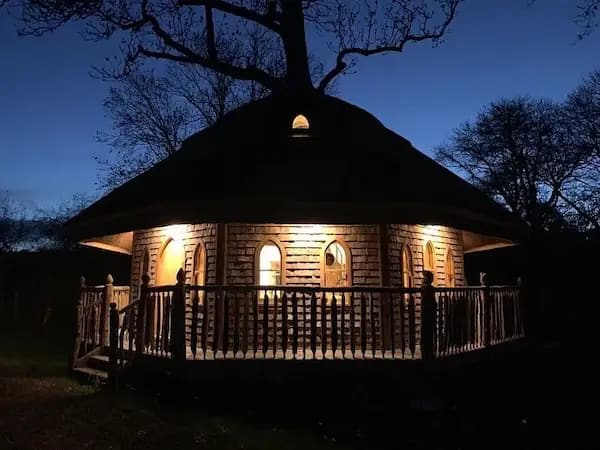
(50,108)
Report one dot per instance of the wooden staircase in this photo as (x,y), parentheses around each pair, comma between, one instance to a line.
(93,369)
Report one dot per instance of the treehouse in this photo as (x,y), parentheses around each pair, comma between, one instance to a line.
(296,228)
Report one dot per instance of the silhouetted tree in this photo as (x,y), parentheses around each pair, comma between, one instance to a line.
(583,108)
(12,222)
(587,18)
(149,125)
(199,32)
(219,54)
(523,152)
(48,230)
(151,115)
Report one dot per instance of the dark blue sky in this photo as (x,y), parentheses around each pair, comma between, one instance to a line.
(50,109)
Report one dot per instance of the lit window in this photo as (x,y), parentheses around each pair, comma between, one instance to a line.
(269,265)
(300,123)
(171,259)
(450,277)
(407,267)
(429,258)
(145,264)
(336,266)
(199,266)
(144,269)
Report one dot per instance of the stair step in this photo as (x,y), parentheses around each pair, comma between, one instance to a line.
(88,373)
(98,362)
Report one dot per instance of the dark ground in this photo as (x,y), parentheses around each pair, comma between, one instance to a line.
(489,405)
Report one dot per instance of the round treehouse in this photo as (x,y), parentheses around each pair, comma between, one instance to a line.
(263,197)
(299,223)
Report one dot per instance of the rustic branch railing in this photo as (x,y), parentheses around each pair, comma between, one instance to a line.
(293,322)
(92,316)
(472,318)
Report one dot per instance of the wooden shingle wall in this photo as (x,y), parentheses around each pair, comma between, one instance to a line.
(303,248)
(154,240)
(416,237)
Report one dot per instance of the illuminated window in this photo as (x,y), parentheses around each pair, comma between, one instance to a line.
(144,269)
(300,123)
(170,260)
(269,265)
(450,277)
(407,267)
(199,275)
(145,264)
(429,258)
(336,265)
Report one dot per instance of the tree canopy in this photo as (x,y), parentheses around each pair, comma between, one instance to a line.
(538,157)
(247,39)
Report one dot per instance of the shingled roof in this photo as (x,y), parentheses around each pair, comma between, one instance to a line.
(252,167)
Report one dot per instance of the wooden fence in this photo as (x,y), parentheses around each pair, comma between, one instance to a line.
(186,322)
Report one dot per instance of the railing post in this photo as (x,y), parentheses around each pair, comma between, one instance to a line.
(77,337)
(107,298)
(428,315)
(521,316)
(178,319)
(140,333)
(114,338)
(487,309)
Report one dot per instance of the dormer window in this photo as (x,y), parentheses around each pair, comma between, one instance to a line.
(300,123)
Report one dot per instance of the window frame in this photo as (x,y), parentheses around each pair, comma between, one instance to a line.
(406,250)
(449,264)
(259,247)
(200,249)
(348,254)
(159,261)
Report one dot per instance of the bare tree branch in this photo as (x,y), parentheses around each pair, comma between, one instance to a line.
(269,20)
(403,24)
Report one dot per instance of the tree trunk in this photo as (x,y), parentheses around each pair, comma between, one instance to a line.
(294,43)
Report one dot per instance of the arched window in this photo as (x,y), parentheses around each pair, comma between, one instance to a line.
(199,274)
(336,265)
(170,260)
(145,266)
(300,123)
(269,264)
(450,277)
(429,258)
(407,267)
(144,269)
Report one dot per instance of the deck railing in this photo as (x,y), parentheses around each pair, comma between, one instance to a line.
(186,322)
(471,318)
(92,316)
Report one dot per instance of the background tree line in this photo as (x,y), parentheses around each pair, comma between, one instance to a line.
(24,229)
(538,157)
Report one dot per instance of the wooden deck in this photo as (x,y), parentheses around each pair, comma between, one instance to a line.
(284,323)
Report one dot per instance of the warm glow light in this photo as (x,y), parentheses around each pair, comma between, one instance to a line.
(270,265)
(175,232)
(432,229)
(171,259)
(336,274)
(313,229)
(300,123)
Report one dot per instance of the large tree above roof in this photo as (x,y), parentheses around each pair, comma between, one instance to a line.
(215,34)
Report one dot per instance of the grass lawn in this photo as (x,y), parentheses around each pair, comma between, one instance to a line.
(42,408)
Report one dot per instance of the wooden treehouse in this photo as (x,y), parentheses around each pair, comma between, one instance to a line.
(297,228)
